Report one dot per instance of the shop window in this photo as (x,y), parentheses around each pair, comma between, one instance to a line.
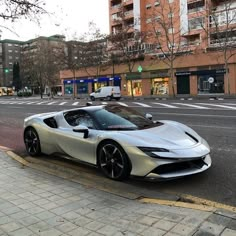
(68,89)
(137,87)
(160,86)
(210,84)
(82,88)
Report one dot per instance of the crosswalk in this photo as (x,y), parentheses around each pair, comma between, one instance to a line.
(144,104)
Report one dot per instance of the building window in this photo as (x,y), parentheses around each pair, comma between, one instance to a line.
(9,44)
(171,30)
(196,23)
(149,20)
(148,6)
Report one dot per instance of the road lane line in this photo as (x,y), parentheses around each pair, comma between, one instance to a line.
(165,105)
(75,103)
(191,105)
(141,104)
(30,103)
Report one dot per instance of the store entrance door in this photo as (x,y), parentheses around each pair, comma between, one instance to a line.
(183,85)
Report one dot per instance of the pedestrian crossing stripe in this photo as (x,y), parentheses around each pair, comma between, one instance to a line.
(165,105)
(141,104)
(218,105)
(174,105)
(193,106)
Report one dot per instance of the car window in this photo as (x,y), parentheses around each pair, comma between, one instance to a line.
(116,117)
(79,117)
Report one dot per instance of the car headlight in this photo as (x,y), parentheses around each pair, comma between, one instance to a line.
(150,151)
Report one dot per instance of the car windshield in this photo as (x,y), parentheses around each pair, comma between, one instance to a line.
(116,117)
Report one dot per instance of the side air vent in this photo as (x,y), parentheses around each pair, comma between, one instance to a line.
(51,122)
(192,137)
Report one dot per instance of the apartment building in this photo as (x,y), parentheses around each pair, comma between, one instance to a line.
(196,33)
(10,51)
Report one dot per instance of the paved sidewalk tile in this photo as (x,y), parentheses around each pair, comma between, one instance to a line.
(35,203)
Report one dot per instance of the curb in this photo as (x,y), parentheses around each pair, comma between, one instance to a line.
(185,201)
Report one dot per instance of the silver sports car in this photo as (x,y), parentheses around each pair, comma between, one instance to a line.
(120,141)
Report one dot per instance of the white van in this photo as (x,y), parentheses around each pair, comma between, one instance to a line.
(106,92)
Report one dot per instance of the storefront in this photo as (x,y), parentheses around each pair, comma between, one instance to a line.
(160,86)
(137,87)
(207,81)
(87,85)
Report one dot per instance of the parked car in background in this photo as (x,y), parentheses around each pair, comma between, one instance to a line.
(106,92)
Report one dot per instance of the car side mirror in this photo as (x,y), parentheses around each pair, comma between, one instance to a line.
(81,129)
(148,116)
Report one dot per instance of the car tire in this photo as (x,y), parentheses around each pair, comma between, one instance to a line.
(92,98)
(32,142)
(109,98)
(113,161)
(117,99)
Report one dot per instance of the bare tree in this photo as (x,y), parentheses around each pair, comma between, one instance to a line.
(127,43)
(15,9)
(221,32)
(95,49)
(166,32)
(41,63)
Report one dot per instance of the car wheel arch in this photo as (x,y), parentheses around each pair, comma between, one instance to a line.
(102,142)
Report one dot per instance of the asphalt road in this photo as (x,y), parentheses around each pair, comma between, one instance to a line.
(217,125)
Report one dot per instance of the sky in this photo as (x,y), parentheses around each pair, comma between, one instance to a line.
(68,17)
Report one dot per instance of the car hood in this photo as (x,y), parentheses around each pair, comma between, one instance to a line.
(164,136)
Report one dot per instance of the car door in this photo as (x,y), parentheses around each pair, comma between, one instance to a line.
(73,143)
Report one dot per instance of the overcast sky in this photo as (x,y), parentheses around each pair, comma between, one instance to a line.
(69,17)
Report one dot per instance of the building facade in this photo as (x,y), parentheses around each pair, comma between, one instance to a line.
(189,48)
(10,52)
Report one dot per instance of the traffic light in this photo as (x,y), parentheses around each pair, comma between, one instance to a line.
(6,70)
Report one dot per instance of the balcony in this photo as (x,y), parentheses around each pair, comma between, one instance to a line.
(129,14)
(127,2)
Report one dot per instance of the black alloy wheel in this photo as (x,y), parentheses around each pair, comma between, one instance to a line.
(113,161)
(32,142)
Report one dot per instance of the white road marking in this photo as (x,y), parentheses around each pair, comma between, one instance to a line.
(75,103)
(104,103)
(30,102)
(50,103)
(165,105)
(216,105)
(191,105)
(62,103)
(39,103)
(141,104)
(122,104)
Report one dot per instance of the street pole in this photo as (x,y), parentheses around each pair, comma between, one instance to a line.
(74,80)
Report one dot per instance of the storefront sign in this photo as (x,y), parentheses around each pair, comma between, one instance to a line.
(201,72)
(210,79)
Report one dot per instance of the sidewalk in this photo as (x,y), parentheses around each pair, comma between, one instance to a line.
(36,203)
